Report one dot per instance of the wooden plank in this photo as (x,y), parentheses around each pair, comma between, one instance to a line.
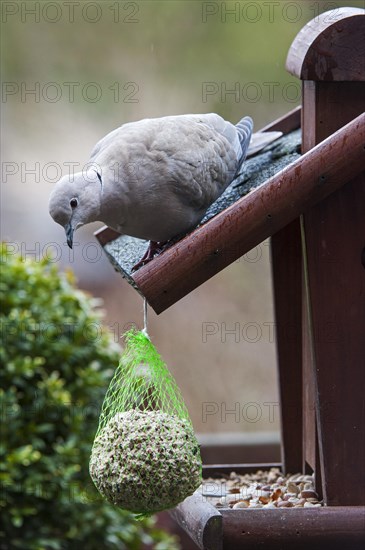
(286,277)
(308,394)
(334,234)
(106,234)
(310,441)
(311,462)
(230,452)
(212,470)
(331,105)
(286,124)
(286,264)
(250,220)
(201,521)
(331,528)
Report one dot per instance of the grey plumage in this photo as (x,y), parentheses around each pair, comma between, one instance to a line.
(155,179)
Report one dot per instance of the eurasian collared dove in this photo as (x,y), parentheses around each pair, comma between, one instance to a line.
(155,179)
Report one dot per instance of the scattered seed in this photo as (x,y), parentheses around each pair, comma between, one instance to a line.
(309,494)
(241,504)
(269,489)
(285,504)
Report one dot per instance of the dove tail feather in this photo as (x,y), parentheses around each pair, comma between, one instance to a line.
(244,131)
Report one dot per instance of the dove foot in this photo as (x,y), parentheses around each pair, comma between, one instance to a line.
(153,249)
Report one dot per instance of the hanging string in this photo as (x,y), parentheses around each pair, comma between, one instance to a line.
(145,318)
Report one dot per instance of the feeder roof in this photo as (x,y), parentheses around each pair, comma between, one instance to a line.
(275,187)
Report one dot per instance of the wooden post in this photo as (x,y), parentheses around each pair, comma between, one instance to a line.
(329,56)
(286,266)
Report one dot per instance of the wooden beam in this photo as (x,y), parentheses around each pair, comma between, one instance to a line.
(332,528)
(286,269)
(286,124)
(251,452)
(286,266)
(222,470)
(328,54)
(106,234)
(263,212)
(335,232)
(335,374)
(201,521)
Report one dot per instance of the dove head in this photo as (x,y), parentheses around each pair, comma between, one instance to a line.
(75,201)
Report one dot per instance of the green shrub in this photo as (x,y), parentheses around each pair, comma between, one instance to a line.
(56,362)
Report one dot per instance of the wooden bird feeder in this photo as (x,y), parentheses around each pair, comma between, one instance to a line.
(313,207)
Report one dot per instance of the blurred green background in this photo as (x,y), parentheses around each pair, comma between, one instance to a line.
(95,65)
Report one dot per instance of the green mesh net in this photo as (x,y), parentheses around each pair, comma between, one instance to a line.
(145,457)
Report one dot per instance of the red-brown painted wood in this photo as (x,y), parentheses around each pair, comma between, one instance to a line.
(106,234)
(201,521)
(286,124)
(333,65)
(335,231)
(216,470)
(286,264)
(330,47)
(333,528)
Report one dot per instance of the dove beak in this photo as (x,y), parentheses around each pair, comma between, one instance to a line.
(69,234)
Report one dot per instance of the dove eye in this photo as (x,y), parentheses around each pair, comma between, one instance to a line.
(73,203)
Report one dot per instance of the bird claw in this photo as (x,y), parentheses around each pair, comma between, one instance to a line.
(153,249)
